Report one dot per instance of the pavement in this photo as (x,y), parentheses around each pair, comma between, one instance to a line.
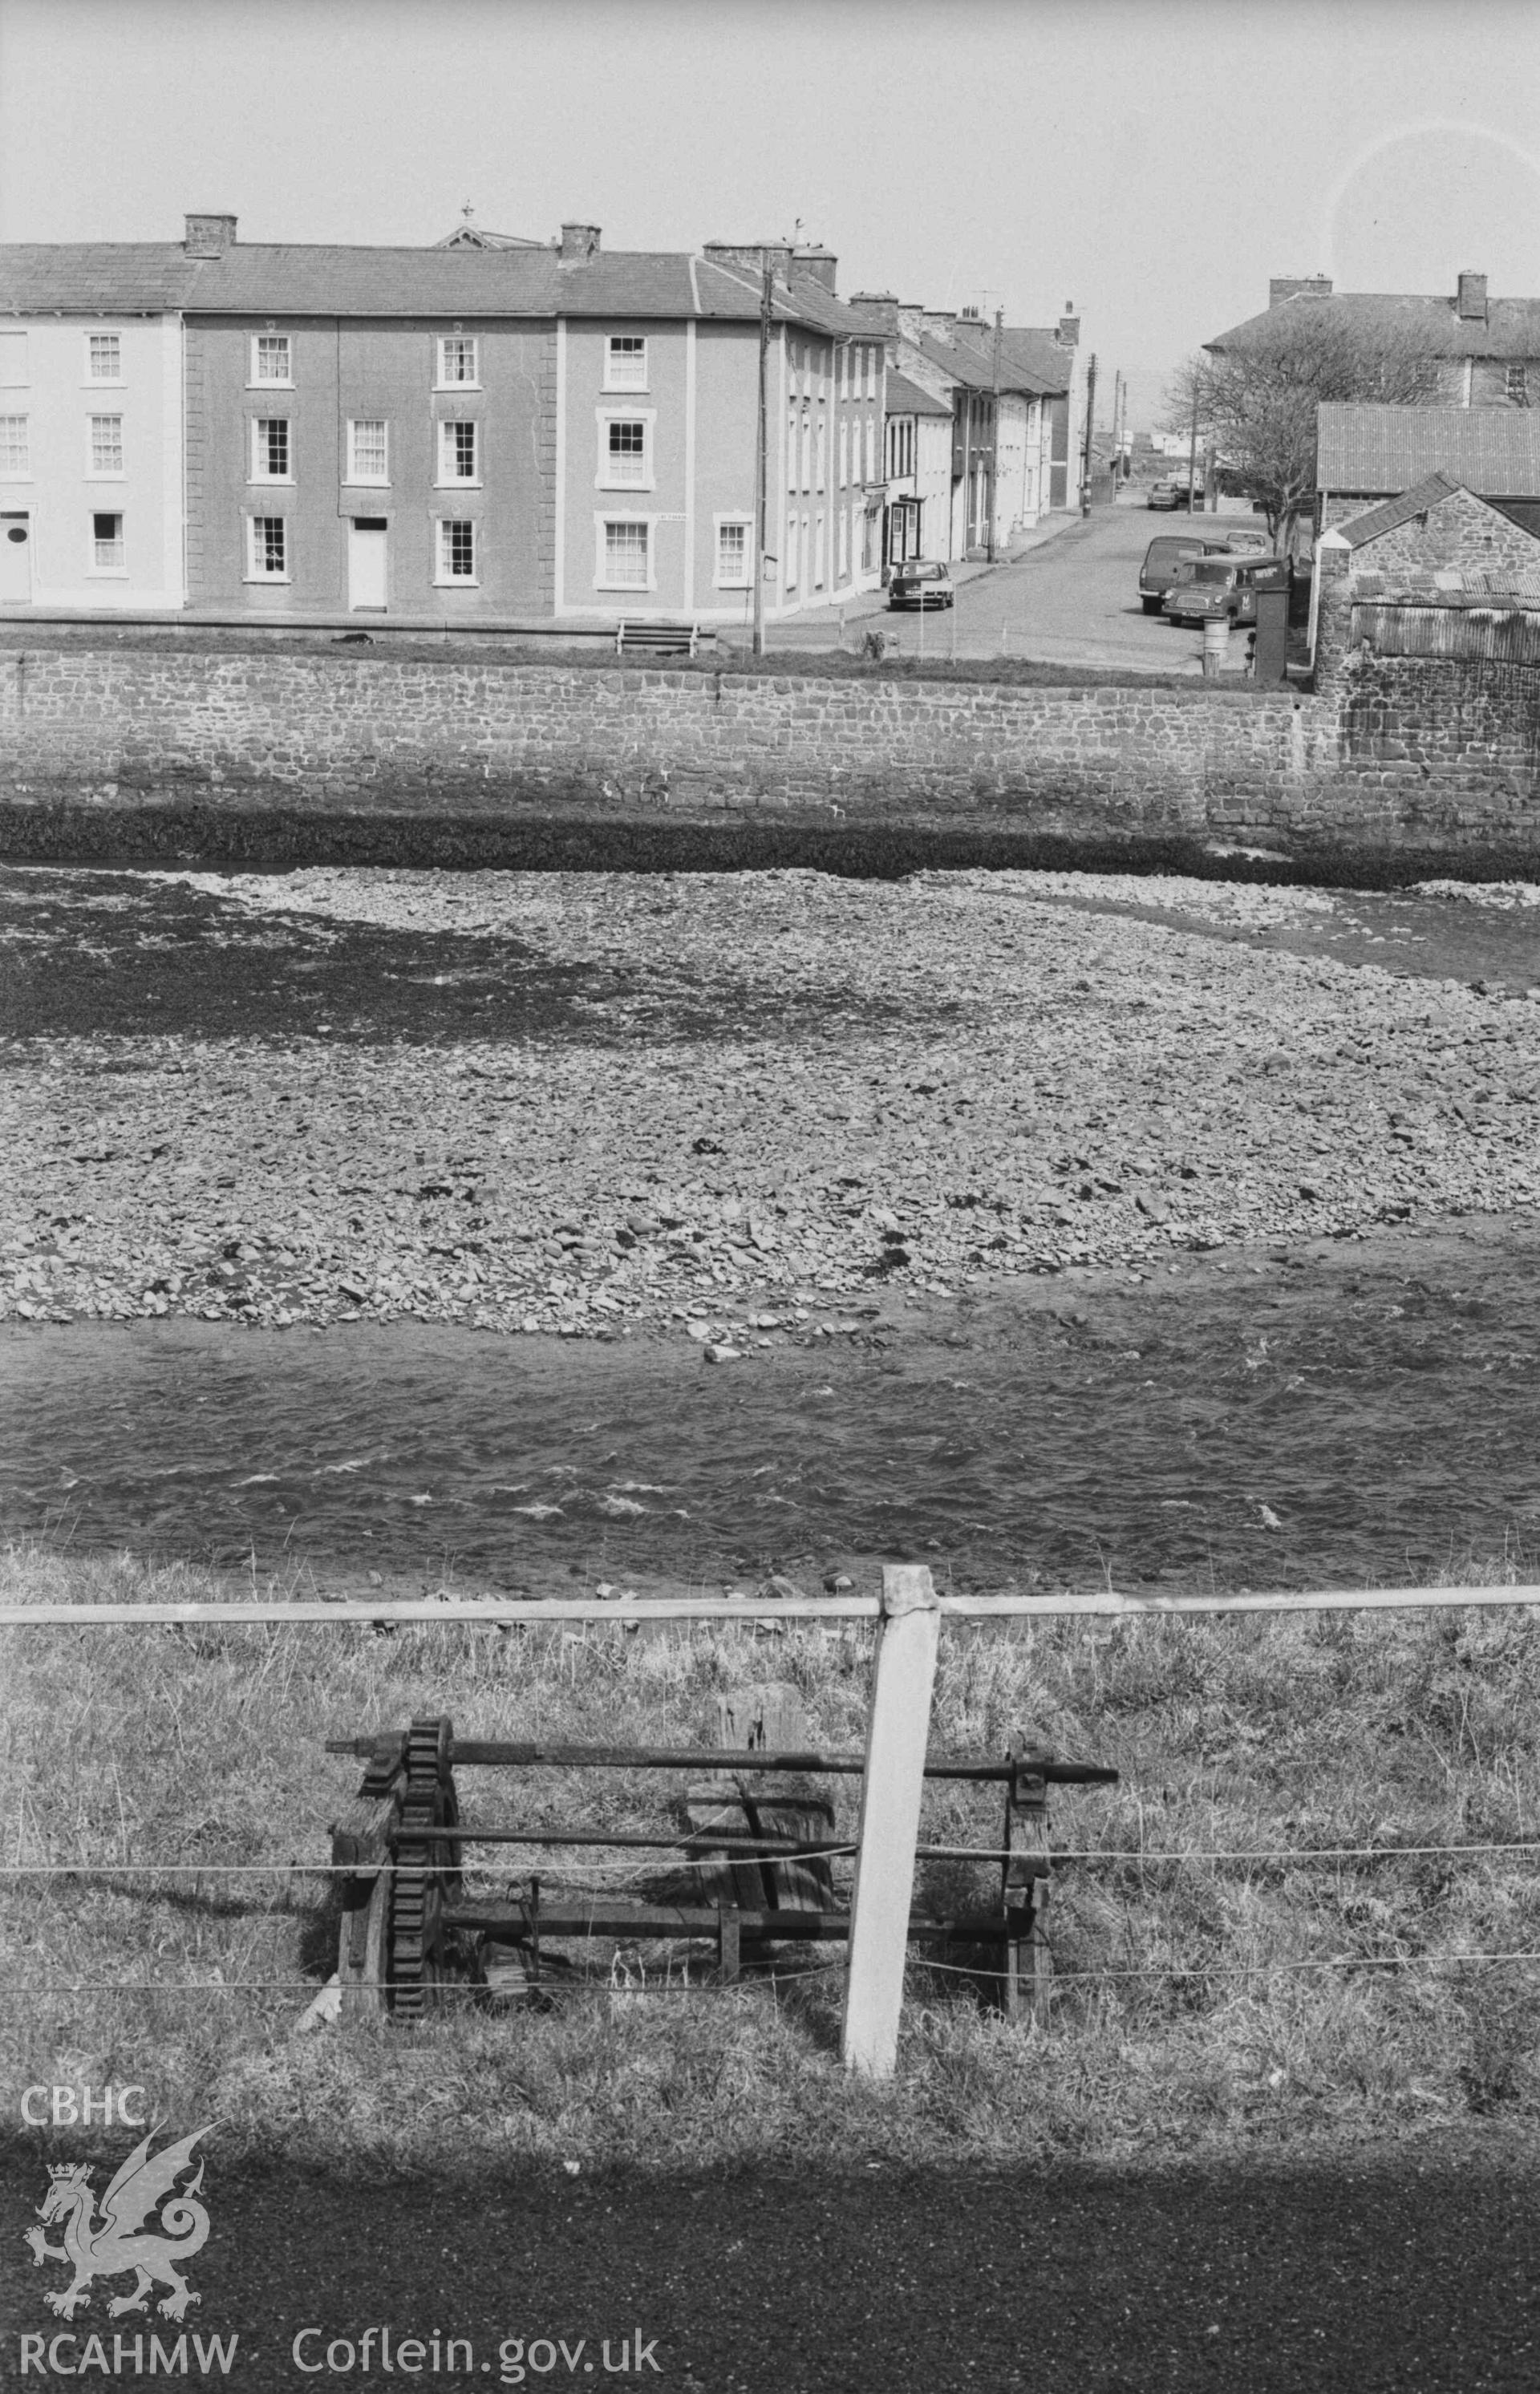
(1067,593)
(1407,2270)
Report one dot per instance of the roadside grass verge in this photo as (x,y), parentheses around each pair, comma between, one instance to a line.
(1204,2005)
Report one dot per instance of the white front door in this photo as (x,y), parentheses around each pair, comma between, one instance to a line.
(16,559)
(366,539)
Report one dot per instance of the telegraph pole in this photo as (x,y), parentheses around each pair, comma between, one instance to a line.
(995,458)
(767,297)
(1090,420)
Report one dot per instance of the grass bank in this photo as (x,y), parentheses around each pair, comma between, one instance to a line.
(1223,1999)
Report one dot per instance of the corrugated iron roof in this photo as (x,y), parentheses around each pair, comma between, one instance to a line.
(1509,329)
(1493,451)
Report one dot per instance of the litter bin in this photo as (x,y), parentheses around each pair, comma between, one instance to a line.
(1272,636)
(1216,646)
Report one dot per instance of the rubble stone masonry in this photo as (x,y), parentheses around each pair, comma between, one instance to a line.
(1393,751)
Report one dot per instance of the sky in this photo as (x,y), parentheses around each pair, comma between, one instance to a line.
(1152,161)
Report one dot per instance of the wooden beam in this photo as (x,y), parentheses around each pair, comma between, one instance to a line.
(903,1675)
(1097,1603)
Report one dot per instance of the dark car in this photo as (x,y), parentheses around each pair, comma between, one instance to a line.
(1212,588)
(922,583)
(1171,490)
(1165,553)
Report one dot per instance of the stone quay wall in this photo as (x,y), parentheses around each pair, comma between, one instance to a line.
(1391,752)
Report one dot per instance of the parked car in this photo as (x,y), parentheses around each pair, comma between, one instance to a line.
(1171,490)
(1165,553)
(922,582)
(1211,587)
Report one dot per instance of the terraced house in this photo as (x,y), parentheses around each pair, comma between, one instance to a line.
(91,462)
(488,430)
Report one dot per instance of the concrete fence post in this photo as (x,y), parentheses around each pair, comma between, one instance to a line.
(903,1674)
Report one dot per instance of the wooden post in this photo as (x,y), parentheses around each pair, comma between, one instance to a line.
(1028,1883)
(903,1674)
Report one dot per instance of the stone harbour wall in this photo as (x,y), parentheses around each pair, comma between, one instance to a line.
(351,736)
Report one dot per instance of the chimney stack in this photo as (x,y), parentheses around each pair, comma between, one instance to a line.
(1297,286)
(821,263)
(208,236)
(579,243)
(753,255)
(1470,300)
(1068,333)
(879,308)
(940,323)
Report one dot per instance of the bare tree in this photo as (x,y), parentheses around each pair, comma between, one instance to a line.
(1257,400)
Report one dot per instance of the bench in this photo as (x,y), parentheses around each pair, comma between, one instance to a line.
(657,639)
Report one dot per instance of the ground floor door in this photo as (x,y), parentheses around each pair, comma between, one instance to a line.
(16,559)
(366,563)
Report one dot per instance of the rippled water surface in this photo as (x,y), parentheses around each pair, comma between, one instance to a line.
(1380,1403)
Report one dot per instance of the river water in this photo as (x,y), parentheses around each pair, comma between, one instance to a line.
(1377,1398)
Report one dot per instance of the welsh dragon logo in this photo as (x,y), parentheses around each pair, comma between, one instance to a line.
(117,2242)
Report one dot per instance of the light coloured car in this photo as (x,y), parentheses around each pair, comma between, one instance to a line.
(921,582)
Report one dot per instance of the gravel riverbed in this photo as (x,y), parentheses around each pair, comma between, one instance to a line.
(768,1097)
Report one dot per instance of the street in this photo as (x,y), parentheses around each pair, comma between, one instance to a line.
(1070,596)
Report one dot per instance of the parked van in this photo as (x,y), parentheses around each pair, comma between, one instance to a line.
(1163,555)
(1209,587)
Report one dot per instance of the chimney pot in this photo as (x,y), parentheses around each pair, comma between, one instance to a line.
(579,243)
(1470,298)
(208,236)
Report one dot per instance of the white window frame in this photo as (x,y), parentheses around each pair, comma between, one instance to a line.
(102,382)
(443,478)
(354,479)
(259,381)
(442,344)
(444,580)
(602,521)
(793,422)
(792,548)
(94,473)
(604,480)
(821,557)
(821,463)
(17,333)
(613,381)
(22,473)
(844,452)
(255,469)
(871,372)
(254,571)
(842,560)
(119,571)
(735,521)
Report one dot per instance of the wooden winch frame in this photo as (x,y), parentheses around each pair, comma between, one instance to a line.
(758,1852)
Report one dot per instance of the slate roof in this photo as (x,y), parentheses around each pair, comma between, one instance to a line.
(1491,450)
(1510,328)
(1026,365)
(94,278)
(906,398)
(1392,513)
(327,278)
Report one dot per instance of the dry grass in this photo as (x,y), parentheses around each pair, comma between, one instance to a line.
(1242,1734)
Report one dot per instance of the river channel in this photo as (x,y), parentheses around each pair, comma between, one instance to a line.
(1358,1408)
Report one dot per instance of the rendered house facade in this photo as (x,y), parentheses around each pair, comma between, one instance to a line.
(488,430)
(91,460)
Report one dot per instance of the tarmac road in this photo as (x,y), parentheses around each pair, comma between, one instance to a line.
(1413,2268)
(1069,597)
